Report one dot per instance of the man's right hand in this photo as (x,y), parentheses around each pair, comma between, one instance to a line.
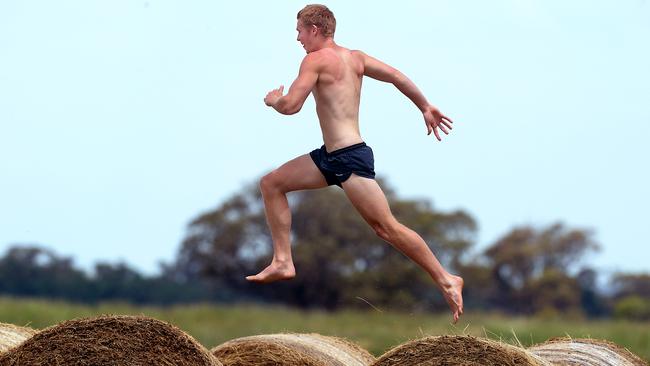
(434,120)
(273,96)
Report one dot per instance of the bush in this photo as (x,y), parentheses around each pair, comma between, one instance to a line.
(633,308)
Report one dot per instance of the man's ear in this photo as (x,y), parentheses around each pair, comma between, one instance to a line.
(314,29)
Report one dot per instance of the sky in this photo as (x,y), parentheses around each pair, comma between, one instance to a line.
(121,121)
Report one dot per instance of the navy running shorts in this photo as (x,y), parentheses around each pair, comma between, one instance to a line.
(338,165)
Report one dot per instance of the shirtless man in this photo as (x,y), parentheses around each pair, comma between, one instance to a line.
(333,74)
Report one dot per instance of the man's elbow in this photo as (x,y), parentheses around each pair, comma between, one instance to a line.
(398,78)
(294,110)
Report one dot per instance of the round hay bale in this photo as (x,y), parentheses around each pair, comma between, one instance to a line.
(458,350)
(292,350)
(110,340)
(12,335)
(585,352)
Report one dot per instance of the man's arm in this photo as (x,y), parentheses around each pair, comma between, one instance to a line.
(383,72)
(299,90)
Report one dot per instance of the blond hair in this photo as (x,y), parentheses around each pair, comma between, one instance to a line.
(320,16)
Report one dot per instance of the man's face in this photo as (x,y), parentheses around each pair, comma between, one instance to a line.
(306,36)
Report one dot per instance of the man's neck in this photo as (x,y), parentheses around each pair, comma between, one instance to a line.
(327,43)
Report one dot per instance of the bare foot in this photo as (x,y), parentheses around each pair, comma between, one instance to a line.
(453,293)
(276,271)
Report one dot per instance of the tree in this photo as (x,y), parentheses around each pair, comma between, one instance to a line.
(594,304)
(632,307)
(119,281)
(35,271)
(551,291)
(116,281)
(526,264)
(32,270)
(631,284)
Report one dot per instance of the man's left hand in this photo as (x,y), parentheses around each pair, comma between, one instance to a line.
(434,120)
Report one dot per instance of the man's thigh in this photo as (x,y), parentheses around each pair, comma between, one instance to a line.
(298,174)
(368,198)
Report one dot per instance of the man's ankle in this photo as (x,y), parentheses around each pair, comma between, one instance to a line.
(282,261)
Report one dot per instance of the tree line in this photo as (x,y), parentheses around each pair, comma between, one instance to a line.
(341,263)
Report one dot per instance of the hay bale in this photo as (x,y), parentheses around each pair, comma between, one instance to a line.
(458,350)
(12,335)
(110,340)
(585,352)
(292,350)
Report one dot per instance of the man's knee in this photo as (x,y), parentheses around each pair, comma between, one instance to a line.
(271,182)
(386,229)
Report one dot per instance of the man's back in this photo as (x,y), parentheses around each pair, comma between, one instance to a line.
(337,93)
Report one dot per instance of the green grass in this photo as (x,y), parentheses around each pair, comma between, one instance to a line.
(375,331)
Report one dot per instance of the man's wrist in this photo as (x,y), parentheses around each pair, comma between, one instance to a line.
(277,105)
(275,102)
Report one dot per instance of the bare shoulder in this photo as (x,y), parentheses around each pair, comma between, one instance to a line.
(360,60)
(360,55)
(311,58)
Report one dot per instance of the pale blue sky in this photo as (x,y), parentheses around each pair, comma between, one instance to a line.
(121,120)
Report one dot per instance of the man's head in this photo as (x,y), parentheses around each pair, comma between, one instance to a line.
(316,23)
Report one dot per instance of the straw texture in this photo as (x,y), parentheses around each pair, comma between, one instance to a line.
(110,340)
(292,350)
(585,352)
(458,351)
(12,336)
